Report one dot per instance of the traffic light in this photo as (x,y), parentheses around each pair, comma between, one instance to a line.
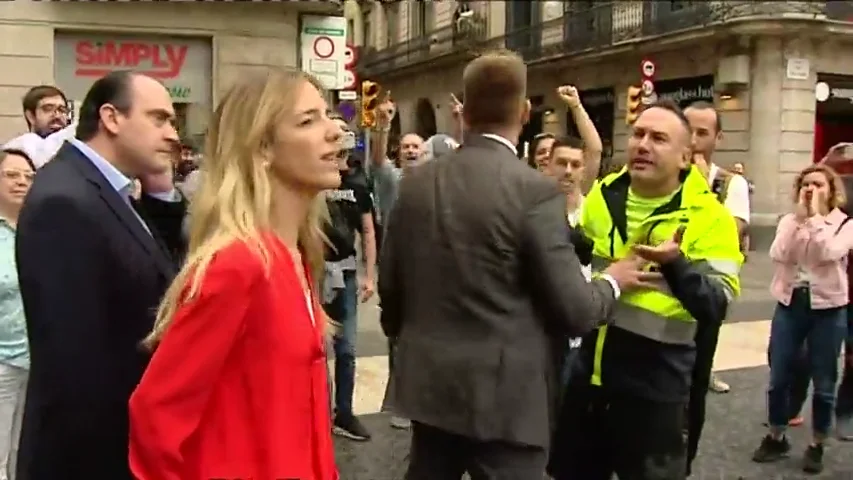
(633,104)
(369,103)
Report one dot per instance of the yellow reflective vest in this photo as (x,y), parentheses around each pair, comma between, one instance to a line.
(655,330)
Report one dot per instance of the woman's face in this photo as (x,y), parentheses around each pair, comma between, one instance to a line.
(543,152)
(307,142)
(816,183)
(17,176)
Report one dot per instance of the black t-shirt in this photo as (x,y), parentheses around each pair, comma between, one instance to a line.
(347,204)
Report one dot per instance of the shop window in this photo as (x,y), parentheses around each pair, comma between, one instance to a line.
(833,112)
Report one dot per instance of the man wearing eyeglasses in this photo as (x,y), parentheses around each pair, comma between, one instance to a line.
(45,110)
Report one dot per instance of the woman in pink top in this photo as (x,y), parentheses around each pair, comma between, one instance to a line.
(810,283)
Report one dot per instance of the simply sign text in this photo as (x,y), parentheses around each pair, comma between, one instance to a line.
(162,61)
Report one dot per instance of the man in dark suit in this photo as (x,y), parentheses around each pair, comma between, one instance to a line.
(92,272)
(480,286)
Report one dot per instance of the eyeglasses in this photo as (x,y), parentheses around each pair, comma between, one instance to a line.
(17,175)
(53,109)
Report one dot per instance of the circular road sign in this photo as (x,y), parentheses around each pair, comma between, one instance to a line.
(648,68)
(648,88)
(349,56)
(324,47)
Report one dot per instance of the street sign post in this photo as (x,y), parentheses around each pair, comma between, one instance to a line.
(647,82)
(323,49)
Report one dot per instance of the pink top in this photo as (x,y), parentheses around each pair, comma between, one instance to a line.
(817,250)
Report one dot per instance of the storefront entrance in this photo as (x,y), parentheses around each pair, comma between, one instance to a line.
(833,113)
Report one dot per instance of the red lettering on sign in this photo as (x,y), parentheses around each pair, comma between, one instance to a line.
(157,60)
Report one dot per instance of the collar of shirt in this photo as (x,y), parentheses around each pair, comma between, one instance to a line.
(119,181)
(575,215)
(502,140)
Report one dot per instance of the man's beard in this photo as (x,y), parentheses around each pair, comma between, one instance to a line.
(48,130)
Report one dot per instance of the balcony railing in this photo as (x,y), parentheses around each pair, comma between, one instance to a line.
(442,42)
(593,26)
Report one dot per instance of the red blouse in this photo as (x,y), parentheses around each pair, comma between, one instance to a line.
(237,389)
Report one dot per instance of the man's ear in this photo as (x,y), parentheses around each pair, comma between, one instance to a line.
(686,159)
(30,117)
(109,117)
(720,136)
(526,108)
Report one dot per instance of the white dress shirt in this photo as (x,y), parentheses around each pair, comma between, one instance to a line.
(737,194)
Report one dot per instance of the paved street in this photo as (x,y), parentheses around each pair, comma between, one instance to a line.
(734,428)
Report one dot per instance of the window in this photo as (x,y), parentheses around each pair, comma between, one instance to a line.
(369,41)
(392,23)
(421,17)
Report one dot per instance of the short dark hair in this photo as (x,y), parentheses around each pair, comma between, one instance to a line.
(671,106)
(703,105)
(113,88)
(495,85)
(31,99)
(568,141)
(14,151)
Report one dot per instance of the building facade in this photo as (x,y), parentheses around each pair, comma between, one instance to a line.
(195,48)
(781,73)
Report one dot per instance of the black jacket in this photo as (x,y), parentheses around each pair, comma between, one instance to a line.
(91,277)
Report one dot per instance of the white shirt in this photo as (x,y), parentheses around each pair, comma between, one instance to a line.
(574,217)
(502,140)
(737,194)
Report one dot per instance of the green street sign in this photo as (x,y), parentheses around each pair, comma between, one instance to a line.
(329,32)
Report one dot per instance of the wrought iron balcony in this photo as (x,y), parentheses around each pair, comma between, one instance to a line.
(449,41)
(592,26)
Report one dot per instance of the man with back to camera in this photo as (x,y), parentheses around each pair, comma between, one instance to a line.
(351,209)
(623,411)
(92,271)
(480,286)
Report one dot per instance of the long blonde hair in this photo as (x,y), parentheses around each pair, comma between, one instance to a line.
(234,198)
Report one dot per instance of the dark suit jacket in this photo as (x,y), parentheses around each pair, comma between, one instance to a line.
(91,277)
(480,285)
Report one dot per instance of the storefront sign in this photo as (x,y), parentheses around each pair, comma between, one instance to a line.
(182,64)
(685,91)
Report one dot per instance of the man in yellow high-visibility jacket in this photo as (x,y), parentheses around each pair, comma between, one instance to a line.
(624,409)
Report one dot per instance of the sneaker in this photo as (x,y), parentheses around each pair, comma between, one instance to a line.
(718,385)
(349,426)
(771,450)
(813,459)
(400,422)
(844,428)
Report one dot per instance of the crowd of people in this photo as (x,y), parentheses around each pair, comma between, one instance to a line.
(170,316)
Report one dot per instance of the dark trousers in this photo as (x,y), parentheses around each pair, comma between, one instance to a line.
(600,435)
(707,337)
(801,378)
(344,310)
(439,455)
(844,397)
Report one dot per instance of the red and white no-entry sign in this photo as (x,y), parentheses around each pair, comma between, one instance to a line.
(350,56)
(324,47)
